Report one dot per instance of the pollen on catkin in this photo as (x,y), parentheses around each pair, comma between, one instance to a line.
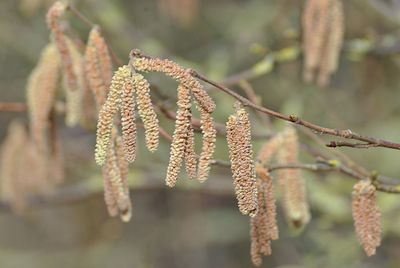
(53,21)
(291,183)
(366,216)
(323,27)
(108,111)
(41,88)
(209,138)
(128,123)
(179,139)
(241,157)
(175,71)
(146,111)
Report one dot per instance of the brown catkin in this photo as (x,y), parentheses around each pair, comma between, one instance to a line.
(175,71)
(323,28)
(209,138)
(53,21)
(128,122)
(180,136)
(146,111)
(41,88)
(108,111)
(190,154)
(98,65)
(241,157)
(291,183)
(330,58)
(367,216)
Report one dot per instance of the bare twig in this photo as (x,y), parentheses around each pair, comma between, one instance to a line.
(334,144)
(13,107)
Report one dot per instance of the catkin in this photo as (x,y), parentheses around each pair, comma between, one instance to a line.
(241,157)
(98,65)
(209,138)
(74,96)
(323,27)
(128,122)
(115,176)
(180,136)
(291,183)
(367,216)
(108,111)
(146,111)
(190,154)
(175,71)
(53,21)
(41,88)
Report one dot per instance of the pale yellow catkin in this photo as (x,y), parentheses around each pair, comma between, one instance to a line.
(291,183)
(53,21)
(180,136)
(366,216)
(241,157)
(146,111)
(175,71)
(108,111)
(40,90)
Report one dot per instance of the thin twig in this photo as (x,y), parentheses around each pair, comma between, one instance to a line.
(334,144)
(13,107)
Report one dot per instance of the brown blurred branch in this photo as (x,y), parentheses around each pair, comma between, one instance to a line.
(334,144)
(13,107)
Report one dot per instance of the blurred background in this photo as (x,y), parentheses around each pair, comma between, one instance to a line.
(199,225)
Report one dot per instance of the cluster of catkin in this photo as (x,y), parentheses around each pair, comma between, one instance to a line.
(183,147)
(25,169)
(367,216)
(323,30)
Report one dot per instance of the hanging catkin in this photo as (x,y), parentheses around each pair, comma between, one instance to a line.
(175,71)
(269,149)
(53,21)
(190,154)
(367,216)
(98,65)
(291,183)
(178,145)
(241,157)
(323,28)
(106,116)
(41,88)
(209,138)
(128,121)
(263,226)
(146,111)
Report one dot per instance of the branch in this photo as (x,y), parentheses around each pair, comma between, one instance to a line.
(347,134)
(13,107)
(334,144)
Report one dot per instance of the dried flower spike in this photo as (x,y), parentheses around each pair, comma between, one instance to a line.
(241,157)
(292,184)
(121,77)
(175,71)
(190,154)
(128,122)
(146,111)
(367,216)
